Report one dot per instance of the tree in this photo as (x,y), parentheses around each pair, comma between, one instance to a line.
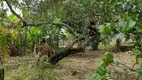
(75,16)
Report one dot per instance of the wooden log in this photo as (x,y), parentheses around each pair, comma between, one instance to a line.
(63,54)
(69,50)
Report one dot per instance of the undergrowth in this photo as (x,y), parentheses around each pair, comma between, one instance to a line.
(40,71)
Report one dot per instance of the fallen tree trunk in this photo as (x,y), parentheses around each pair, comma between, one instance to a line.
(65,52)
(69,50)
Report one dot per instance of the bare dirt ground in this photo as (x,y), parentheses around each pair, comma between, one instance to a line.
(82,66)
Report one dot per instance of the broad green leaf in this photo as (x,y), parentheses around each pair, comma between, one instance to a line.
(5,23)
(126,29)
(112,26)
(13,18)
(121,36)
(99,63)
(58,20)
(106,29)
(108,24)
(138,70)
(101,70)
(101,28)
(131,23)
(107,59)
(140,75)
(96,77)
(121,25)
(139,25)
(116,62)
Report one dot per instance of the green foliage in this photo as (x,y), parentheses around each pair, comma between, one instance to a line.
(107,59)
(13,18)
(138,51)
(116,62)
(3,41)
(94,43)
(102,72)
(25,68)
(124,25)
(137,45)
(96,77)
(139,27)
(106,29)
(119,14)
(43,63)
(139,71)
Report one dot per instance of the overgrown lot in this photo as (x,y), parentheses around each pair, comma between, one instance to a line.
(80,66)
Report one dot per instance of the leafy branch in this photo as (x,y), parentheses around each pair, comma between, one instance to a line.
(25,23)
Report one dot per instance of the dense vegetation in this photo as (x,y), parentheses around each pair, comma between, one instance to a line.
(40,27)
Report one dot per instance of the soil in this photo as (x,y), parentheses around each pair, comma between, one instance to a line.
(82,66)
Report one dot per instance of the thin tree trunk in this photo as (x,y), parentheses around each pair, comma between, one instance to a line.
(2,74)
(24,42)
(79,43)
(118,45)
(63,42)
(1,65)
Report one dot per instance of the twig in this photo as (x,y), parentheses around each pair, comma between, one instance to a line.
(128,67)
(113,67)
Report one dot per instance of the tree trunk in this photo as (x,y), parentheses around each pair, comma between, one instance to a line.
(24,42)
(118,45)
(1,65)
(63,42)
(69,50)
(79,43)
(1,74)
(64,53)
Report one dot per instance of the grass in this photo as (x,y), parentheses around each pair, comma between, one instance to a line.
(25,70)
(83,65)
(106,47)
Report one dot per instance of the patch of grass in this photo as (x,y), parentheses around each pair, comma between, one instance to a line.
(28,71)
(107,47)
(65,62)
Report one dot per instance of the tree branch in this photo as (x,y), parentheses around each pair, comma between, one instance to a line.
(53,23)
(11,9)
(39,23)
